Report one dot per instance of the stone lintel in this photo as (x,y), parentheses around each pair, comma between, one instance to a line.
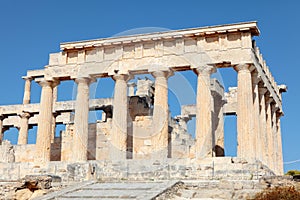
(211,30)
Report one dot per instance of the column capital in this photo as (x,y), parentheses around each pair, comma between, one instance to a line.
(27,78)
(124,77)
(262,90)
(49,83)
(275,108)
(2,117)
(131,84)
(185,118)
(25,115)
(256,78)
(87,80)
(279,114)
(244,67)
(163,73)
(269,100)
(205,70)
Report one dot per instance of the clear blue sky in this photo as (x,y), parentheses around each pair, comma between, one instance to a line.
(30,30)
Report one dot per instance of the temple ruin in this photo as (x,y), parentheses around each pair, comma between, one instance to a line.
(136,125)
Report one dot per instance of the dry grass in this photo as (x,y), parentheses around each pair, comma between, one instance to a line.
(278,193)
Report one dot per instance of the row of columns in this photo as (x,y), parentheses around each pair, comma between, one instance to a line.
(258,120)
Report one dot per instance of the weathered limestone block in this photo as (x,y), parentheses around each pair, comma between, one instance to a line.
(7,152)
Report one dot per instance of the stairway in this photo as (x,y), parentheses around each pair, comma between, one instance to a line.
(112,191)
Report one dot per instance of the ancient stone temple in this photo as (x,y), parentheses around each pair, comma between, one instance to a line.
(137,137)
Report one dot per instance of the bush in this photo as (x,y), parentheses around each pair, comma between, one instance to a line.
(278,193)
(293,172)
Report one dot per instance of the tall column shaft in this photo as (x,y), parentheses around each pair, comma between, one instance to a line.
(43,141)
(274,138)
(160,121)
(244,112)
(81,120)
(23,133)
(54,115)
(1,128)
(119,119)
(279,150)
(263,126)
(27,91)
(204,107)
(256,124)
(269,133)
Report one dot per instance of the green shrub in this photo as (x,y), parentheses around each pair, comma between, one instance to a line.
(278,193)
(293,172)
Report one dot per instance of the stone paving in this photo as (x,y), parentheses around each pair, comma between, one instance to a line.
(113,190)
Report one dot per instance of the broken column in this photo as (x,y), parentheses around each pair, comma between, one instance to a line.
(23,132)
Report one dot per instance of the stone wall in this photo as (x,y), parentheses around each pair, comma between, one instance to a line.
(169,169)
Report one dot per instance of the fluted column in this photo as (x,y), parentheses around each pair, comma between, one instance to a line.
(161,112)
(269,133)
(23,133)
(54,114)
(119,119)
(204,107)
(43,141)
(279,141)
(81,120)
(1,128)
(256,124)
(274,138)
(263,126)
(27,90)
(131,87)
(244,112)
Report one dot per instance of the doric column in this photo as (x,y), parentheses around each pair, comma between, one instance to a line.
(54,114)
(269,100)
(263,125)
(204,107)
(23,133)
(81,120)
(244,112)
(274,138)
(27,90)
(131,87)
(120,118)
(43,141)
(160,121)
(1,128)
(279,141)
(256,124)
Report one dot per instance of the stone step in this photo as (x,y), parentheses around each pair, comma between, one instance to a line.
(112,190)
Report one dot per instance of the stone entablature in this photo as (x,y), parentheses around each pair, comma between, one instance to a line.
(138,125)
